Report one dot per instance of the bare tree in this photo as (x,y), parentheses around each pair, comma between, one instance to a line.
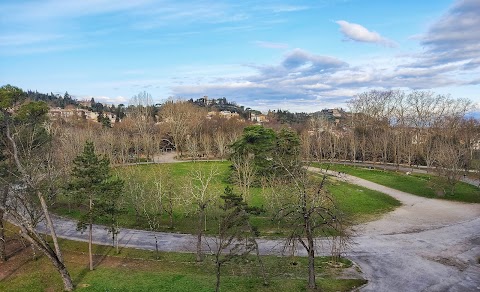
(244,173)
(221,143)
(133,189)
(449,160)
(192,147)
(205,140)
(152,209)
(26,202)
(200,194)
(181,119)
(308,210)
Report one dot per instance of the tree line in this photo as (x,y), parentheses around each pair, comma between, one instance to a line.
(394,127)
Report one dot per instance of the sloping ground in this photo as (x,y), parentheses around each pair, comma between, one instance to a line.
(424,245)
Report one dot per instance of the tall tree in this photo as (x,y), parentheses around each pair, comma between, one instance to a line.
(94,186)
(200,194)
(181,119)
(236,236)
(258,143)
(28,151)
(307,211)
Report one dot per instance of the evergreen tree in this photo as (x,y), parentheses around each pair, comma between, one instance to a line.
(236,236)
(94,186)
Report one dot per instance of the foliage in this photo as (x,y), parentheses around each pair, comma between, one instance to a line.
(32,112)
(256,141)
(236,236)
(52,99)
(10,95)
(272,152)
(92,180)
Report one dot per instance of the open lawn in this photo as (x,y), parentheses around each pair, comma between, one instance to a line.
(138,270)
(417,184)
(359,204)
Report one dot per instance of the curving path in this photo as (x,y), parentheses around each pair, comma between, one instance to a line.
(424,245)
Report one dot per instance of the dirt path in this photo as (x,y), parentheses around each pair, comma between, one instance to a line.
(424,245)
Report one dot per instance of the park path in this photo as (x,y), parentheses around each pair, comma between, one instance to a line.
(423,245)
(404,168)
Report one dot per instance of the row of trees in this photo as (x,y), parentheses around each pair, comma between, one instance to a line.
(416,128)
(184,128)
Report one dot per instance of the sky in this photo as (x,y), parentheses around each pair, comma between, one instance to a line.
(291,55)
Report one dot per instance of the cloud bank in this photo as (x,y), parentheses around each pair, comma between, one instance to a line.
(450,57)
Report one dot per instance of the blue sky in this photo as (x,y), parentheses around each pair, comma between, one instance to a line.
(295,55)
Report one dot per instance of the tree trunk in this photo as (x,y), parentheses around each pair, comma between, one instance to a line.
(117,243)
(50,225)
(156,248)
(3,254)
(90,235)
(218,265)
(199,235)
(38,242)
(311,253)
(170,213)
(262,266)
(171,220)
(311,265)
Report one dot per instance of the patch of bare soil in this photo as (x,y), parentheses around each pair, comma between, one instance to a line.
(18,254)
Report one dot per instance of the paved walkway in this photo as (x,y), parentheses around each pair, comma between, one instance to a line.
(404,168)
(424,245)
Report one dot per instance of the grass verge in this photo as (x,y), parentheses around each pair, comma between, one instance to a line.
(139,270)
(417,184)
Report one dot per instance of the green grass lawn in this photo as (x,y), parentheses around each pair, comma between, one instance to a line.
(361,204)
(417,184)
(357,203)
(138,270)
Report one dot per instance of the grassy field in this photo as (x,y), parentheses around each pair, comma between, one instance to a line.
(359,204)
(415,183)
(138,270)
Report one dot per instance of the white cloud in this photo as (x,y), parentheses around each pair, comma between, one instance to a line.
(358,33)
(109,100)
(455,37)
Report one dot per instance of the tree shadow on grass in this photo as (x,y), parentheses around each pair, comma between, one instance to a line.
(99,254)
(17,257)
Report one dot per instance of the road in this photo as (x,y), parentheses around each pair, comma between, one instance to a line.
(423,245)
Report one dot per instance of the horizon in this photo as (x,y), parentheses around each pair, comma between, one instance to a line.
(289,55)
